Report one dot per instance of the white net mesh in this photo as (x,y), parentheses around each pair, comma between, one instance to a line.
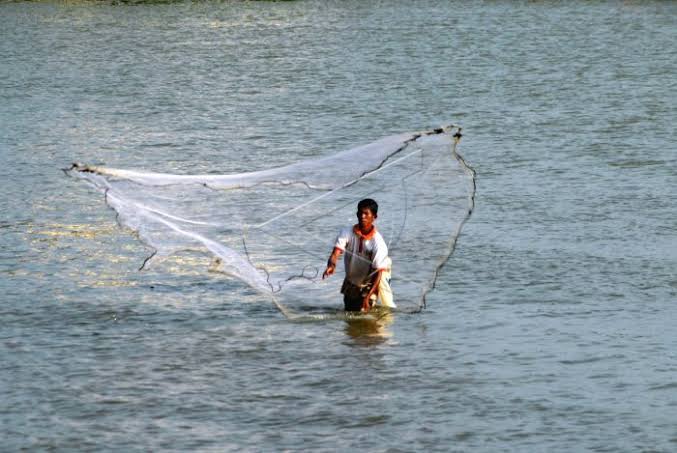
(274,229)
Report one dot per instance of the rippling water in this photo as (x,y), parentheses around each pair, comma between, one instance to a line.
(551,326)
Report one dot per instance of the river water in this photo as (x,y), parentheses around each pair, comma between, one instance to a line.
(551,327)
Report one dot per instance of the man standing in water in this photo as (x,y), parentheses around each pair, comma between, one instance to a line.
(366,259)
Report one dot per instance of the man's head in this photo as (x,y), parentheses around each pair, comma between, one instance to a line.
(370,204)
(367,212)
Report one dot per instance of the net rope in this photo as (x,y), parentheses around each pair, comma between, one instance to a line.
(274,229)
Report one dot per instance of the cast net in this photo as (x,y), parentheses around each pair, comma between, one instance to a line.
(274,229)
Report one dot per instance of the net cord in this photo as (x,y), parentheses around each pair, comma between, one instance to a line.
(324,195)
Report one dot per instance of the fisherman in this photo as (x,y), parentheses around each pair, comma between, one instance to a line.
(366,261)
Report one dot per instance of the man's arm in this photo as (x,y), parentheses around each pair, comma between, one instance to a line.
(378,263)
(331,262)
(375,281)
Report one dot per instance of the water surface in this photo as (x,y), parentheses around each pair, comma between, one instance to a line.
(550,328)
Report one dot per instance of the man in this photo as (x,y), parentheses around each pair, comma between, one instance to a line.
(366,261)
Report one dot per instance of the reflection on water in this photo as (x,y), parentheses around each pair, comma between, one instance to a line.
(372,329)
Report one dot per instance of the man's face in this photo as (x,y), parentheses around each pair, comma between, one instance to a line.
(366,218)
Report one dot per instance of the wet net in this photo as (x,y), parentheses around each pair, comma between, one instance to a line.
(274,229)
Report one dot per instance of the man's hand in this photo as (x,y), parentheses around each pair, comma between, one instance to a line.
(329,271)
(366,304)
(331,263)
(375,281)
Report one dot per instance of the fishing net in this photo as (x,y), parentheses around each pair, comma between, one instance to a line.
(274,229)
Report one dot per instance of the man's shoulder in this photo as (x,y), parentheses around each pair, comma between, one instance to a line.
(346,232)
(378,238)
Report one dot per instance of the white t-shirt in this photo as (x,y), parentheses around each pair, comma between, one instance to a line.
(362,254)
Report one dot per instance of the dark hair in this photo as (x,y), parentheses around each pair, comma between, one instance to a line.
(369,204)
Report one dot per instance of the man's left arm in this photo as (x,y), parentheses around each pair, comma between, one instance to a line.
(378,263)
(375,281)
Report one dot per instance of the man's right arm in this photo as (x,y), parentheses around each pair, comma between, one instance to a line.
(331,262)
